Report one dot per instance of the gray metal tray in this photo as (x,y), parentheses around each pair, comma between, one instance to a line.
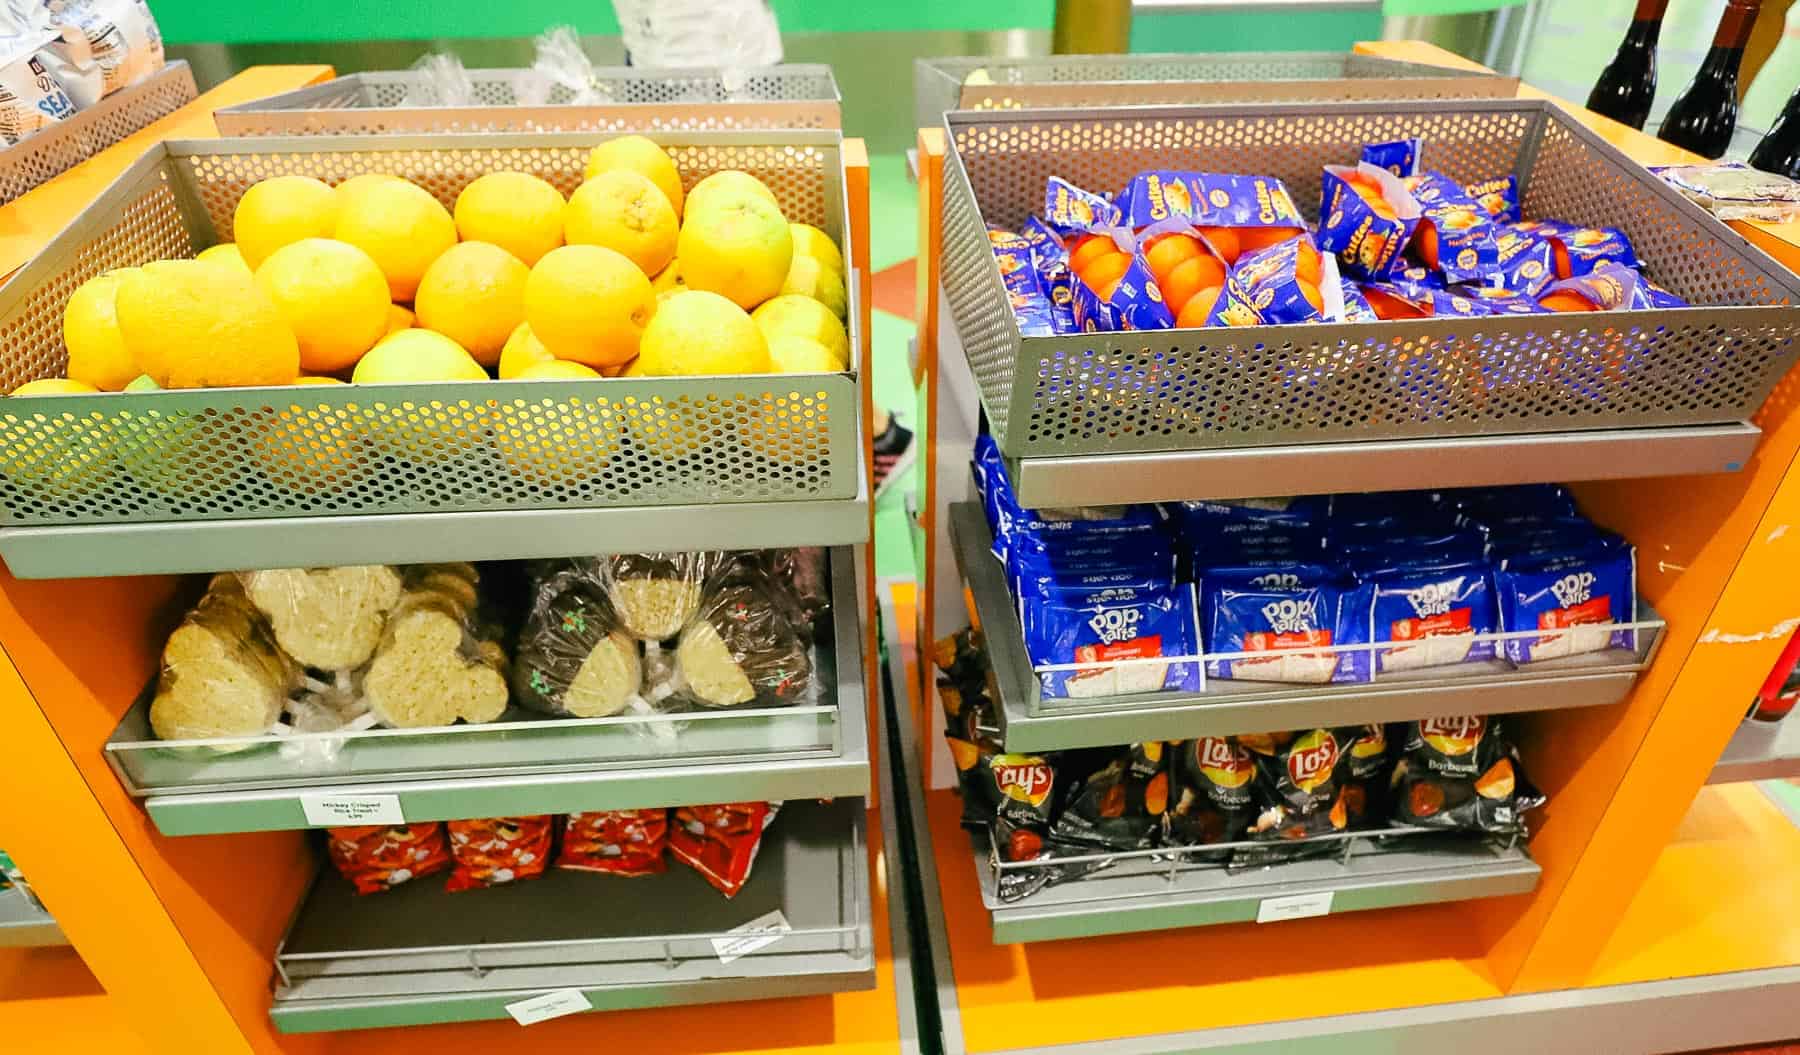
(417,955)
(635,98)
(61,147)
(1241,394)
(994,83)
(24,923)
(1760,751)
(1030,723)
(522,764)
(415,455)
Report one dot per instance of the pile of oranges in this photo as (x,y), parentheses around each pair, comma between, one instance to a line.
(1190,275)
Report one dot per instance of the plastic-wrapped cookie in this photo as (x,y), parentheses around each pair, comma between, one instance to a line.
(741,649)
(326,618)
(572,659)
(221,673)
(657,594)
(432,669)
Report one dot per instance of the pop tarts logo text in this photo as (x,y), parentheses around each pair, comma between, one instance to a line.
(1276,580)
(1434,598)
(1113,625)
(1291,615)
(1571,590)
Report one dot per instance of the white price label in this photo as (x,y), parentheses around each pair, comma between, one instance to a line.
(554,1004)
(1300,906)
(342,811)
(759,933)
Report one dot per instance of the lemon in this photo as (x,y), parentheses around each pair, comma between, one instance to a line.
(54,386)
(333,297)
(281,210)
(588,304)
(642,156)
(727,185)
(622,210)
(474,294)
(698,333)
(226,253)
(797,316)
(354,187)
(522,350)
(61,454)
(402,227)
(790,354)
(738,245)
(399,318)
(667,281)
(315,379)
(556,369)
(809,278)
(97,354)
(810,241)
(417,355)
(194,325)
(520,213)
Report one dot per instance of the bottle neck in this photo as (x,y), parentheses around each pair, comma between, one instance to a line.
(1646,23)
(1734,32)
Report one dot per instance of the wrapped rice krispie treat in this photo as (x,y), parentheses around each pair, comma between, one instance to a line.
(740,650)
(436,663)
(222,674)
(326,618)
(572,658)
(657,594)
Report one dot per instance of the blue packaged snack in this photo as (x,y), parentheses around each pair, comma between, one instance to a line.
(1046,244)
(1499,196)
(1549,499)
(1455,234)
(1018,272)
(1268,283)
(1416,300)
(1114,625)
(1356,306)
(1657,297)
(1579,250)
(1527,263)
(1401,157)
(1366,218)
(1502,301)
(1433,614)
(1070,210)
(1573,593)
(1369,507)
(1033,580)
(1135,302)
(1286,509)
(1208,199)
(1608,287)
(1294,623)
(1374,555)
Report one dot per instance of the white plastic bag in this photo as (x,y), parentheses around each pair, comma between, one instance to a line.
(103,45)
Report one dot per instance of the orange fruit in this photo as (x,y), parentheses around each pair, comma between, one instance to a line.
(1560,259)
(1088,248)
(1194,313)
(1106,292)
(1253,238)
(1362,182)
(1190,277)
(1224,241)
(1167,251)
(1425,240)
(1564,300)
(1310,290)
(1388,306)
(1308,268)
(1105,272)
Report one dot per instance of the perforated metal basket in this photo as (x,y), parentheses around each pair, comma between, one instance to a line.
(1267,385)
(982,83)
(637,99)
(63,146)
(404,448)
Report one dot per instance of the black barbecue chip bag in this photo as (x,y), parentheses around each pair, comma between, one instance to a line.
(1366,776)
(1022,790)
(1114,800)
(1299,791)
(1461,774)
(971,723)
(1214,798)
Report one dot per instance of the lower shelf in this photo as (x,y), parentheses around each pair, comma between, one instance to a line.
(1760,751)
(417,955)
(1142,894)
(24,924)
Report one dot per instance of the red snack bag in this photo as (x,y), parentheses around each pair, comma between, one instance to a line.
(720,842)
(496,850)
(620,842)
(379,857)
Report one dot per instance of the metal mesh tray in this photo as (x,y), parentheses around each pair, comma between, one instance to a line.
(638,99)
(61,147)
(1229,77)
(1261,386)
(357,450)
(417,954)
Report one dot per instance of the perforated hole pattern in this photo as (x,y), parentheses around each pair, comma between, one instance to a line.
(230,453)
(1093,394)
(61,147)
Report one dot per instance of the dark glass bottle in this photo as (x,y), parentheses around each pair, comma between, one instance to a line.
(1628,83)
(1779,151)
(1705,113)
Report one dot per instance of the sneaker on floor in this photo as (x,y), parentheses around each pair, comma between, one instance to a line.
(894,454)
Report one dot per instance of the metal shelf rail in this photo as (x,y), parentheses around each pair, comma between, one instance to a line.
(24,923)
(1760,751)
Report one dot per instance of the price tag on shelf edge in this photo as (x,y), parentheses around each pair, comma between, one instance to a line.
(325,810)
(546,1006)
(760,933)
(1300,906)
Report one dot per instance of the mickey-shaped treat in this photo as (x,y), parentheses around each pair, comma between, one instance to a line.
(572,659)
(656,594)
(430,669)
(221,672)
(326,618)
(741,649)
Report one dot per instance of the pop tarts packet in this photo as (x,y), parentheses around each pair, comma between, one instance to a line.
(1579,250)
(1401,157)
(1499,196)
(1369,552)
(1018,272)
(1135,303)
(1266,288)
(1433,613)
(1366,234)
(1569,592)
(1070,210)
(1455,234)
(1292,617)
(1208,199)
(1607,287)
(1032,576)
(1114,625)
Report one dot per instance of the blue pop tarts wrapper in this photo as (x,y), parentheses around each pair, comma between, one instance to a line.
(1437,611)
(1373,555)
(1607,287)
(1291,623)
(1548,499)
(1296,509)
(1568,593)
(1366,245)
(1465,233)
(1114,625)
(1401,156)
(1499,196)
(1136,303)
(1070,210)
(1208,199)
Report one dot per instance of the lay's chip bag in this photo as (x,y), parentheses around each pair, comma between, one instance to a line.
(1212,800)
(1461,773)
(1455,234)
(1299,785)
(1366,218)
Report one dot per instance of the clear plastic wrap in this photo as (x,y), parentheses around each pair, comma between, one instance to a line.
(103,45)
(437,661)
(572,658)
(380,857)
(561,63)
(222,673)
(443,82)
(656,595)
(326,618)
(741,649)
(31,99)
